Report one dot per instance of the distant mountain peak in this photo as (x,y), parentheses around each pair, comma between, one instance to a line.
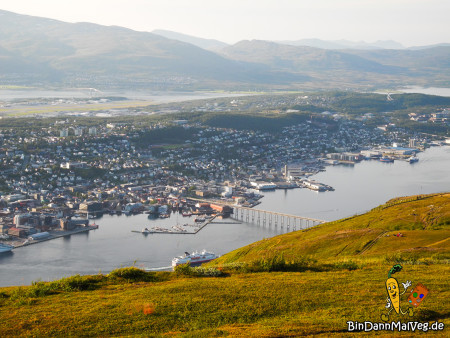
(208,44)
(345,44)
(40,51)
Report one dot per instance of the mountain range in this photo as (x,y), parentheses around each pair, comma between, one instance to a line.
(208,44)
(40,51)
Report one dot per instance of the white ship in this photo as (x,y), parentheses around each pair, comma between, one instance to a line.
(260,185)
(195,258)
(5,248)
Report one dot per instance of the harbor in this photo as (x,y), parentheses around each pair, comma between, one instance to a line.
(113,244)
(177,229)
(205,210)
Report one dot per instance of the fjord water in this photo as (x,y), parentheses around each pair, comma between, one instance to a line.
(358,188)
(363,186)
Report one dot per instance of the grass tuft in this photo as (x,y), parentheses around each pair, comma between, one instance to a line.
(132,274)
(78,283)
(279,264)
(187,270)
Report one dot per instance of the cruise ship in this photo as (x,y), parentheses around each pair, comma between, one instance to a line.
(5,248)
(195,258)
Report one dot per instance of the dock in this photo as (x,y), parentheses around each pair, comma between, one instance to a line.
(172,232)
(56,234)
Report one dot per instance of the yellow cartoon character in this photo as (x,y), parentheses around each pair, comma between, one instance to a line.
(393,301)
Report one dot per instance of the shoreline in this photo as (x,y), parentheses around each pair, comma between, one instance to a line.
(17,243)
(53,235)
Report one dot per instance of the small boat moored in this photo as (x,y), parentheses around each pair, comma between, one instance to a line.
(386,159)
(413,159)
(5,248)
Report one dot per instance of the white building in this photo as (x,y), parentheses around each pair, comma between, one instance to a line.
(227,191)
(78,131)
(92,131)
(72,165)
(64,132)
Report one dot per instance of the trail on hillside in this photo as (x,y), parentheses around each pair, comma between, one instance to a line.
(372,243)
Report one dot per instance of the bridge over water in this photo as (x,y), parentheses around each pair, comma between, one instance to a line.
(265,217)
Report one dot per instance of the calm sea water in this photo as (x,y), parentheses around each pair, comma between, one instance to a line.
(364,186)
(428,90)
(357,189)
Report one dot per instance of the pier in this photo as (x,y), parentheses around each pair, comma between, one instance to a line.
(264,217)
(55,234)
(197,227)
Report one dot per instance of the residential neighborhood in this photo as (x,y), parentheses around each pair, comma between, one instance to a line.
(56,173)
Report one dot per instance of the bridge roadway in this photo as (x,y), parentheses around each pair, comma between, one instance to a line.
(264,217)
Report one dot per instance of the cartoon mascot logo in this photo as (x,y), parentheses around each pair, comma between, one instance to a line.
(392,288)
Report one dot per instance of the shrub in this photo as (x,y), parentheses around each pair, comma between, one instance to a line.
(208,272)
(187,270)
(278,263)
(37,289)
(184,270)
(29,295)
(77,283)
(235,267)
(40,289)
(350,265)
(132,274)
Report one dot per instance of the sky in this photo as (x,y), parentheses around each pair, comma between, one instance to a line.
(410,22)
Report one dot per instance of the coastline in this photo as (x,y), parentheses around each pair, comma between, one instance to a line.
(357,189)
(53,235)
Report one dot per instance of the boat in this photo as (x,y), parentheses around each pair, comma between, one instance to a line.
(199,219)
(146,231)
(413,159)
(186,214)
(5,248)
(196,258)
(386,159)
(266,186)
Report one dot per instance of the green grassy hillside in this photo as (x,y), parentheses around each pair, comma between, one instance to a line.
(423,221)
(302,283)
